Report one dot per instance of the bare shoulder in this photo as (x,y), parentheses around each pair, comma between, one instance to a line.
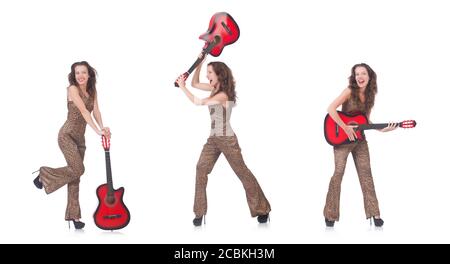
(72,89)
(72,93)
(344,96)
(347,91)
(222,96)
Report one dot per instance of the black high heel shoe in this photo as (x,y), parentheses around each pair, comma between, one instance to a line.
(77,224)
(377,221)
(198,220)
(37,181)
(329,223)
(263,218)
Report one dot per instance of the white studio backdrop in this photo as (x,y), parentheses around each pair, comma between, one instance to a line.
(291,60)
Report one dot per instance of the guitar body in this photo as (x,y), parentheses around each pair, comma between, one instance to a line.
(222,29)
(111,212)
(335,135)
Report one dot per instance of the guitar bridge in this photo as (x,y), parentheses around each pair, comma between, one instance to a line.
(114,216)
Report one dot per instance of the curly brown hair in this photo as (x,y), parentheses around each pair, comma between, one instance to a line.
(91,89)
(225,78)
(371,89)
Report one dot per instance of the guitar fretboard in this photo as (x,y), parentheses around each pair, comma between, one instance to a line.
(374,126)
(204,53)
(109,180)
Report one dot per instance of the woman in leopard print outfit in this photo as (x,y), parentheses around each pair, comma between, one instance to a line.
(359,96)
(222,140)
(81,103)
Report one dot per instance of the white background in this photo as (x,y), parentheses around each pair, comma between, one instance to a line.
(291,60)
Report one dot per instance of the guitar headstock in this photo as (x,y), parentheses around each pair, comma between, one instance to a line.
(408,124)
(106,143)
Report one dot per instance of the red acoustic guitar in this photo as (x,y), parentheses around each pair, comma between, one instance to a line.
(222,31)
(336,136)
(111,212)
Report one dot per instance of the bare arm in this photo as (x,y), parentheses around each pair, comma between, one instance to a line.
(219,98)
(97,114)
(76,99)
(196,80)
(98,118)
(344,96)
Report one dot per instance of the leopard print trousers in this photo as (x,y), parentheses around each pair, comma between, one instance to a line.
(360,153)
(229,146)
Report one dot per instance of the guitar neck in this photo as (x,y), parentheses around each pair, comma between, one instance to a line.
(196,63)
(205,51)
(375,126)
(109,180)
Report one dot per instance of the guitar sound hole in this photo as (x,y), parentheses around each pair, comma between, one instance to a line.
(110,200)
(217,39)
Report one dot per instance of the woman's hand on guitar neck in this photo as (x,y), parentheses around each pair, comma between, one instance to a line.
(350,131)
(390,127)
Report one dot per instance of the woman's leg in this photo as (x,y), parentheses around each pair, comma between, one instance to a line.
(362,162)
(256,199)
(73,210)
(205,164)
(53,179)
(331,210)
